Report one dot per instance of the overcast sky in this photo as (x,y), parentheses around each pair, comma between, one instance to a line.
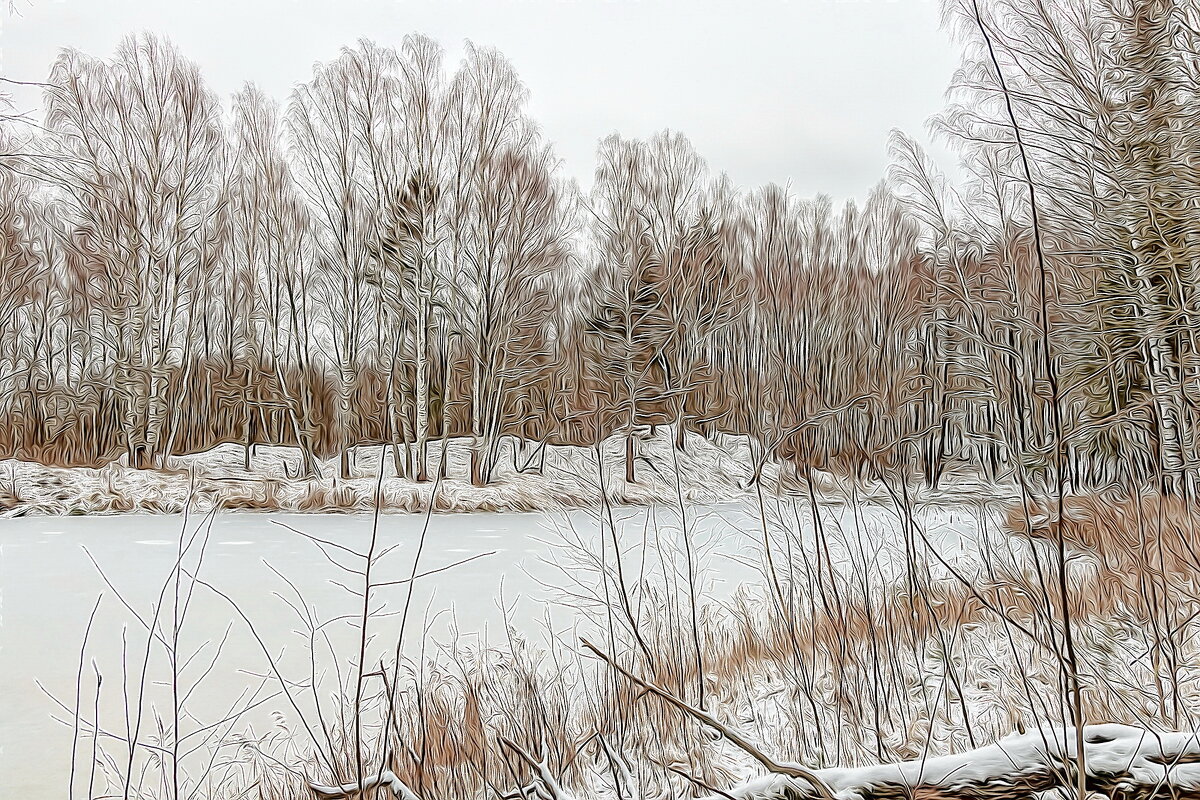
(801,92)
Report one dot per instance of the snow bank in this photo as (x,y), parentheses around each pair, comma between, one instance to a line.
(567,477)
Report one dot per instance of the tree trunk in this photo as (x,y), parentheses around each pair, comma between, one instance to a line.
(629,473)
(308,463)
(477,478)
(1162,374)
(422,393)
(398,464)
(141,457)
(249,435)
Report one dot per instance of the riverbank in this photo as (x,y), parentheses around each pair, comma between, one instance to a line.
(534,478)
(528,480)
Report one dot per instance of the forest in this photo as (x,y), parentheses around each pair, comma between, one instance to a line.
(390,255)
(391,258)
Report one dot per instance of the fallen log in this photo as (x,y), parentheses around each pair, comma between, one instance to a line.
(1122,762)
(386,778)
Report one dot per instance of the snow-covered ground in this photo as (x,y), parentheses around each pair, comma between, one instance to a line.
(704,472)
(218,478)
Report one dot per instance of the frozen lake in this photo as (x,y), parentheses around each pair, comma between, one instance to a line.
(507,567)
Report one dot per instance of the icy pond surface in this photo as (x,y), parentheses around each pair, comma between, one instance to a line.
(49,586)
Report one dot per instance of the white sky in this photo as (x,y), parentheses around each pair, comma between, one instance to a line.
(768,90)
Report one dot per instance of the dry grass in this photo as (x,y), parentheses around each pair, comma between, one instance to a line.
(1125,533)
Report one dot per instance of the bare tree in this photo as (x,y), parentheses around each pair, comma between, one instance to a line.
(413,227)
(273,241)
(141,135)
(653,239)
(509,232)
(346,139)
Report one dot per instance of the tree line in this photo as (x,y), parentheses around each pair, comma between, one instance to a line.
(393,256)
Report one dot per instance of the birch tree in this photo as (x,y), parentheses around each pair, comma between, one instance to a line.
(509,232)
(140,137)
(413,225)
(272,238)
(646,205)
(345,141)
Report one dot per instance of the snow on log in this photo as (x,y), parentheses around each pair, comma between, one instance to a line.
(1121,762)
(386,778)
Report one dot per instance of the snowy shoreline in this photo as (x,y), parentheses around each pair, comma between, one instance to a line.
(709,473)
(218,479)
